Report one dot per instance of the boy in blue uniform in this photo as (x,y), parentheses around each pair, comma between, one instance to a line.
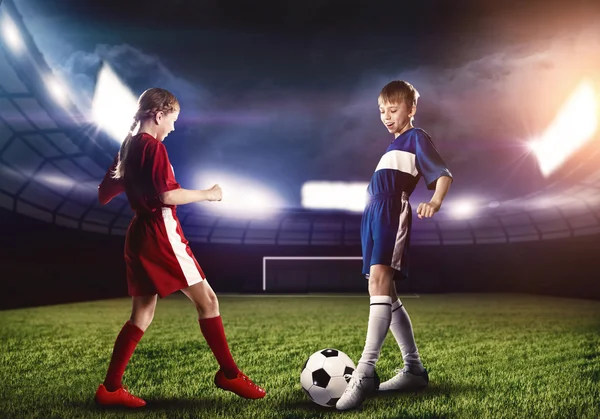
(385,233)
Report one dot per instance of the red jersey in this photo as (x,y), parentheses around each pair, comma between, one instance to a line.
(157,255)
(148,173)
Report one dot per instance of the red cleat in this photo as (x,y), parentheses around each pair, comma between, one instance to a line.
(119,397)
(240,385)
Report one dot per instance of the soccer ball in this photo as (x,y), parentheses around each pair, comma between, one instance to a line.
(323,374)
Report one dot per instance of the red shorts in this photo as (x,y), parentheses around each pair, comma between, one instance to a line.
(157,255)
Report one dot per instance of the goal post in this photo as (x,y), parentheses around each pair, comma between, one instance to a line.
(313,274)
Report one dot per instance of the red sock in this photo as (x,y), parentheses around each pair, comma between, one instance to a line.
(125,344)
(213,332)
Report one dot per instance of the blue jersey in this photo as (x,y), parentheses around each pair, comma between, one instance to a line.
(386,223)
(408,157)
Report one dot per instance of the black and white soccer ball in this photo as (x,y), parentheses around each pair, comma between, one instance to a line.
(325,376)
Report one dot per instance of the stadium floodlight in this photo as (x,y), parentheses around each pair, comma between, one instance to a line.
(575,125)
(241,196)
(62,182)
(462,209)
(11,34)
(350,196)
(114,105)
(57,90)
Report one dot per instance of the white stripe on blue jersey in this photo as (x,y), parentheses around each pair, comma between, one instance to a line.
(403,161)
(407,158)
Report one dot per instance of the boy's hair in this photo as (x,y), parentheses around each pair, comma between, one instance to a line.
(151,102)
(399,91)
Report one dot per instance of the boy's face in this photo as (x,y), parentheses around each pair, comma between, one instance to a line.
(396,116)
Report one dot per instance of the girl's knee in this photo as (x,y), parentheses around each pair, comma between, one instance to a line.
(208,305)
(142,322)
(211,304)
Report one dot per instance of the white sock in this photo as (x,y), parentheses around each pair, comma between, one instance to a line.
(380,315)
(401,328)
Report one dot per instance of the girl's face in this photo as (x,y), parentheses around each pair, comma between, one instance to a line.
(166,124)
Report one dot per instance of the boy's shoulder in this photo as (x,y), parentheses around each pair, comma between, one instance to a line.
(421,131)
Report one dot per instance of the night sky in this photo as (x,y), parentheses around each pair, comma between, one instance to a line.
(286,92)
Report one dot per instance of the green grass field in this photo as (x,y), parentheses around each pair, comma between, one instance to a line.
(488,356)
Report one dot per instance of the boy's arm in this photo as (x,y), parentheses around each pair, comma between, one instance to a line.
(435,172)
(110,187)
(426,210)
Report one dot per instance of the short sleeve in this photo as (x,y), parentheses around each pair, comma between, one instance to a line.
(163,178)
(429,162)
(110,187)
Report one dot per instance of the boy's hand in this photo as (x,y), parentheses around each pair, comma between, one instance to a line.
(426,210)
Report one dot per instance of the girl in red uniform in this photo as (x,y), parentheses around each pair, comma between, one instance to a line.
(158,258)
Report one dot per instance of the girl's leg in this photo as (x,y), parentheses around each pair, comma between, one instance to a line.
(142,313)
(229,377)
(207,305)
(112,392)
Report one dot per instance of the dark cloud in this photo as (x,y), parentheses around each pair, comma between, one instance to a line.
(287,108)
(480,114)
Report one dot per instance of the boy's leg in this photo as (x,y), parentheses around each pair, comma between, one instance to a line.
(413,375)
(380,313)
(402,330)
(362,382)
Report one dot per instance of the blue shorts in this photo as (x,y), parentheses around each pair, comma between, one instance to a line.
(385,233)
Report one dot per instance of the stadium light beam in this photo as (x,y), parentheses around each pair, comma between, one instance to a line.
(114,105)
(12,35)
(575,125)
(62,182)
(57,90)
(463,209)
(349,196)
(241,195)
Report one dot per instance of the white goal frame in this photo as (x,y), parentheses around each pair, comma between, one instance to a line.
(265,258)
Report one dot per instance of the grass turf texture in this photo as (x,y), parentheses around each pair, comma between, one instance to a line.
(492,356)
